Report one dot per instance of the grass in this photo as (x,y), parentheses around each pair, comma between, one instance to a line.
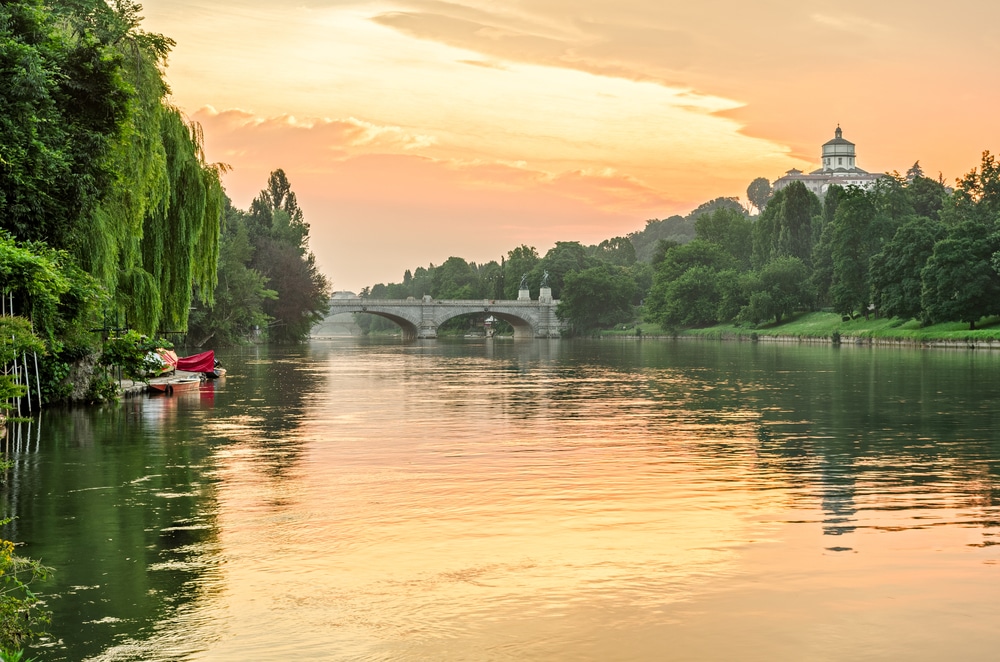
(828,325)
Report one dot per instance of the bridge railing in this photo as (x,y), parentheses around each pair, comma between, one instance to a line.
(361,301)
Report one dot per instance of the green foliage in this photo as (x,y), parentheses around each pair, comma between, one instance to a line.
(977,197)
(16,342)
(759,193)
(850,253)
(959,281)
(784,228)
(173,229)
(691,299)
(927,196)
(895,270)
(133,354)
(697,253)
(266,276)
(777,290)
(562,259)
(62,109)
(49,288)
(597,297)
(22,612)
(617,251)
(94,162)
(237,310)
(456,279)
(519,262)
(675,230)
(730,230)
(275,213)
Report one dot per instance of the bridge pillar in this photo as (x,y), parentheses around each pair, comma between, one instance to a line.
(549,325)
(428,326)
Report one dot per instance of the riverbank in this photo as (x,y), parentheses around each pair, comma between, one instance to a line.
(831,328)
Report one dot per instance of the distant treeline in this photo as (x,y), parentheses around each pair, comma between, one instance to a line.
(909,247)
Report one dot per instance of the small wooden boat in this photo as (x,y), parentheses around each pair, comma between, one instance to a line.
(171,386)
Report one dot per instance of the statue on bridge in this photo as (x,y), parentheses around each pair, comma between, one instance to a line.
(545,279)
(524,282)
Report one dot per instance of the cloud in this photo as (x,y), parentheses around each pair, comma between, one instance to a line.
(631,51)
(376,204)
(853,24)
(239,134)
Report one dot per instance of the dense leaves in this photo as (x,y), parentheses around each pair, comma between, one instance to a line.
(93,161)
(597,297)
(268,284)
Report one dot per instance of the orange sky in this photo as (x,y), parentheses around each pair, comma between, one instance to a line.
(414,130)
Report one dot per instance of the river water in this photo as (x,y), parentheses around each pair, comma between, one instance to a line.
(544,500)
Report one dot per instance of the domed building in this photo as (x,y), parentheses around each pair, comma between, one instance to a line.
(839,167)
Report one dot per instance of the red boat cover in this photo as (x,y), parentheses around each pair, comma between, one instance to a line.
(204,362)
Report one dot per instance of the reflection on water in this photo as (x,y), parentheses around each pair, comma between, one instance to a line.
(354,500)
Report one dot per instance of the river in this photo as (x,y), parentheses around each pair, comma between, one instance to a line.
(543,500)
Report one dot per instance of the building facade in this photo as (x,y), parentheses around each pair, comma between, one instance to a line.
(839,167)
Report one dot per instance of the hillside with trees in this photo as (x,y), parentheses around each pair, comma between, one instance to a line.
(908,248)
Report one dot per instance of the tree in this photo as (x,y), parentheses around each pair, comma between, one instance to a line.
(927,196)
(618,251)
(959,282)
(698,253)
(687,289)
(563,258)
(275,213)
(691,299)
(977,197)
(850,253)
(280,237)
(778,290)
(730,230)
(674,230)
(784,228)
(597,297)
(456,279)
(520,261)
(96,163)
(302,290)
(732,203)
(758,193)
(62,109)
(237,312)
(895,270)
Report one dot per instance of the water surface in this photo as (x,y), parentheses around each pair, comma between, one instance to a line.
(547,500)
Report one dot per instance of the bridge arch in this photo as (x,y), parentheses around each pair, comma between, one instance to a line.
(409,329)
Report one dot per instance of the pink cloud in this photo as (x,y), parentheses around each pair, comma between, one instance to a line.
(376,206)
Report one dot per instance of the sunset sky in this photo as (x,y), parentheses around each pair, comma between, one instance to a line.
(414,130)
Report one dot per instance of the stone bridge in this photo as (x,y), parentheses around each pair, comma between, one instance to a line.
(420,318)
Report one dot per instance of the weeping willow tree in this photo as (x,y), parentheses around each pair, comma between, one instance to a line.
(154,235)
(96,162)
(180,242)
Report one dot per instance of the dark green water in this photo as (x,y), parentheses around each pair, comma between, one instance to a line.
(613,500)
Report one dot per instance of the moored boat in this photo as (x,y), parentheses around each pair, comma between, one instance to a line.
(171,386)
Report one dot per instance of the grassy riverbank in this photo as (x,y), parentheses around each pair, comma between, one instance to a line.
(830,325)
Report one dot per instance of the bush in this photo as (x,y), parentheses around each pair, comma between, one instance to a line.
(134,354)
(21,612)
